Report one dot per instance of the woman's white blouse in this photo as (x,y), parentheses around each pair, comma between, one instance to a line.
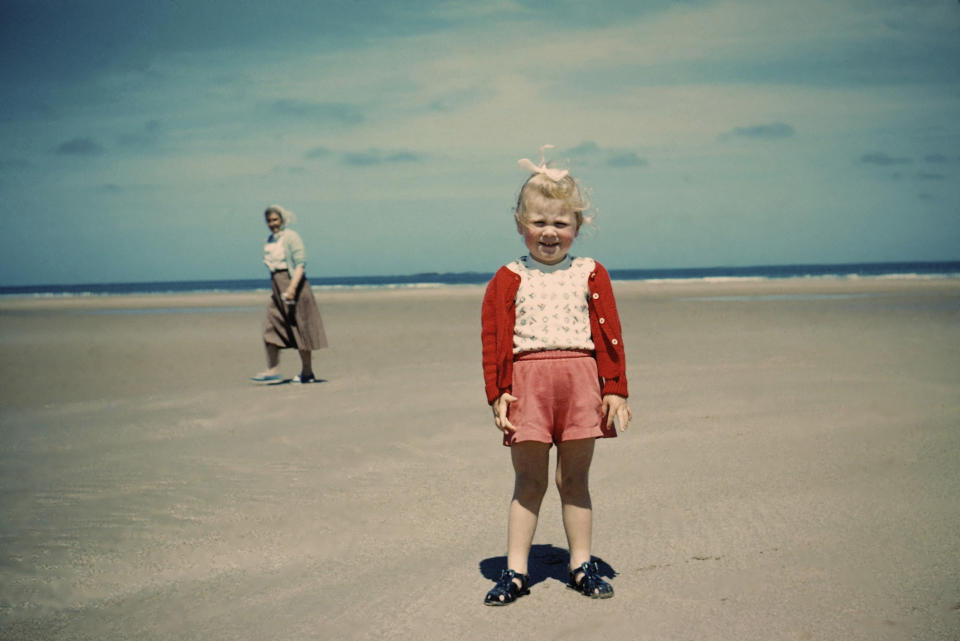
(274,256)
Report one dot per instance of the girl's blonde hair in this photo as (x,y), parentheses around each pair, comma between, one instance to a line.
(287,217)
(565,189)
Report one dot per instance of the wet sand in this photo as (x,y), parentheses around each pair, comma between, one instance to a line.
(793,471)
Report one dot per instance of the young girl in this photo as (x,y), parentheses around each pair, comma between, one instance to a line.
(554,369)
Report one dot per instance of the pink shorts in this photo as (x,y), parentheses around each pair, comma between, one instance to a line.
(558,398)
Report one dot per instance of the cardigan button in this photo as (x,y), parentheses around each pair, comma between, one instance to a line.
(596,296)
(602,320)
(615,342)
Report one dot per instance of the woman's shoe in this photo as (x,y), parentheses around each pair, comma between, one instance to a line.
(506,590)
(590,583)
(309,378)
(263,377)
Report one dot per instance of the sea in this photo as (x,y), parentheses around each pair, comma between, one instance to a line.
(901,270)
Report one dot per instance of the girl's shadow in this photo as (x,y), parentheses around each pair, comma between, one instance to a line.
(546,562)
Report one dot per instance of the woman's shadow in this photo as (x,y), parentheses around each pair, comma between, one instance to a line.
(546,562)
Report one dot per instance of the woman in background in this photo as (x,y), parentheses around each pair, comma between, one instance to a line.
(293,320)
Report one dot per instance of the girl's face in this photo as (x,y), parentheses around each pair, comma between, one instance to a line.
(274,222)
(548,228)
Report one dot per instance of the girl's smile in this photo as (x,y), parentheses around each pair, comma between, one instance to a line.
(548,228)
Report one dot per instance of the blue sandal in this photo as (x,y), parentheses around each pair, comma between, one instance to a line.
(590,583)
(506,590)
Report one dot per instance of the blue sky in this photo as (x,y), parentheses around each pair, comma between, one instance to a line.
(142,140)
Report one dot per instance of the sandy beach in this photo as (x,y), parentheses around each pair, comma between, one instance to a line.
(793,471)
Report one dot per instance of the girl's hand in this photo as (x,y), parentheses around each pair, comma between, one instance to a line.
(615,407)
(499,408)
(289,294)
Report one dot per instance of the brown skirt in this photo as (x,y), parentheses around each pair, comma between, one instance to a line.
(293,326)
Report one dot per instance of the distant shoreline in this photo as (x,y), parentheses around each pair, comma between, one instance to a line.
(704,290)
(900,270)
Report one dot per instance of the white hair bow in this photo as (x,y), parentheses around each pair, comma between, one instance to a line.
(552,174)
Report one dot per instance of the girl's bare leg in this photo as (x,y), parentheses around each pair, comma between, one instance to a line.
(573,472)
(530,464)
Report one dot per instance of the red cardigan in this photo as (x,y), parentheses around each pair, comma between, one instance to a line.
(499,313)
